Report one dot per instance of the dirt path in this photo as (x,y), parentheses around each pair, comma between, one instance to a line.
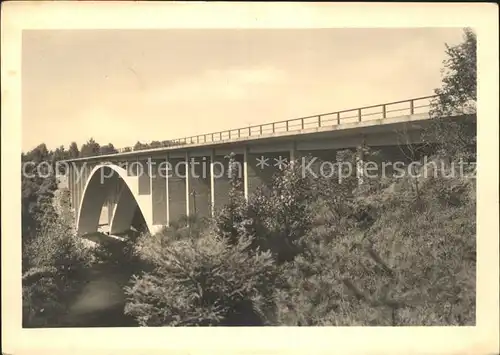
(101,301)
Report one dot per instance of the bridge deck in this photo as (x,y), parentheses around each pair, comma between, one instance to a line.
(369,116)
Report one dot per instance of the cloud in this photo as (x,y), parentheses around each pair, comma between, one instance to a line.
(219,85)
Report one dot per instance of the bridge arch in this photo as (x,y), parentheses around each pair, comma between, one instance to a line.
(107,180)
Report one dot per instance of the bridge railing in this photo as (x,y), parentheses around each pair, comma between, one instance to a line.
(361,114)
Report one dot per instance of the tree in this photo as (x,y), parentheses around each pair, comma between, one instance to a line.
(204,281)
(60,154)
(140,146)
(108,149)
(457,97)
(73,151)
(155,144)
(52,261)
(37,189)
(166,143)
(377,257)
(39,154)
(91,148)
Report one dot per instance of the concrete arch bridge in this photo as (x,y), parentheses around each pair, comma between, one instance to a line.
(154,187)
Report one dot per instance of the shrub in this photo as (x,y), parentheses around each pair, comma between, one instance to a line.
(275,216)
(232,219)
(204,281)
(41,293)
(54,260)
(56,245)
(387,252)
(186,227)
(413,264)
(145,247)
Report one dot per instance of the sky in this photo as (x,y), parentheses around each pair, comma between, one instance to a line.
(124,86)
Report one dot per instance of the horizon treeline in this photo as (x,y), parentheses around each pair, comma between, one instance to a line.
(90,148)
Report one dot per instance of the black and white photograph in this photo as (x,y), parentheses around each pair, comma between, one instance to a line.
(266,177)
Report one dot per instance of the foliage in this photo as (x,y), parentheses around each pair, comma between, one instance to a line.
(231,220)
(155,144)
(146,244)
(53,261)
(37,194)
(108,149)
(56,244)
(37,155)
(302,251)
(459,84)
(60,154)
(383,253)
(140,146)
(204,281)
(413,265)
(74,152)
(276,216)
(41,295)
(280,215)
(89,149)
(457,96)
(52,256)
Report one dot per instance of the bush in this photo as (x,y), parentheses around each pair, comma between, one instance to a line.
(204,281)
(41,294)
(144,248)
(413,264)
(275,216)
(57,246)
(54,261)
(186,227)
(318,252)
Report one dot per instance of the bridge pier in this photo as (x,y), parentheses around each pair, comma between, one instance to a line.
(99,191)
(200,195)
(159,191)
(177,189)
(122,214)
(263,164)
(221,177)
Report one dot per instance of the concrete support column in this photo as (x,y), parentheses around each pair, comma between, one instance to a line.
(177,190)
(263,165)
(109,206)
(167,173)
(159,193)
(71,185)
(74,191)
(111,201)
(187,183)
(78,188)
(199,185)
(123,212)
(212,183)
(245,173)
(293,152)
(360,164)
(149,164)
